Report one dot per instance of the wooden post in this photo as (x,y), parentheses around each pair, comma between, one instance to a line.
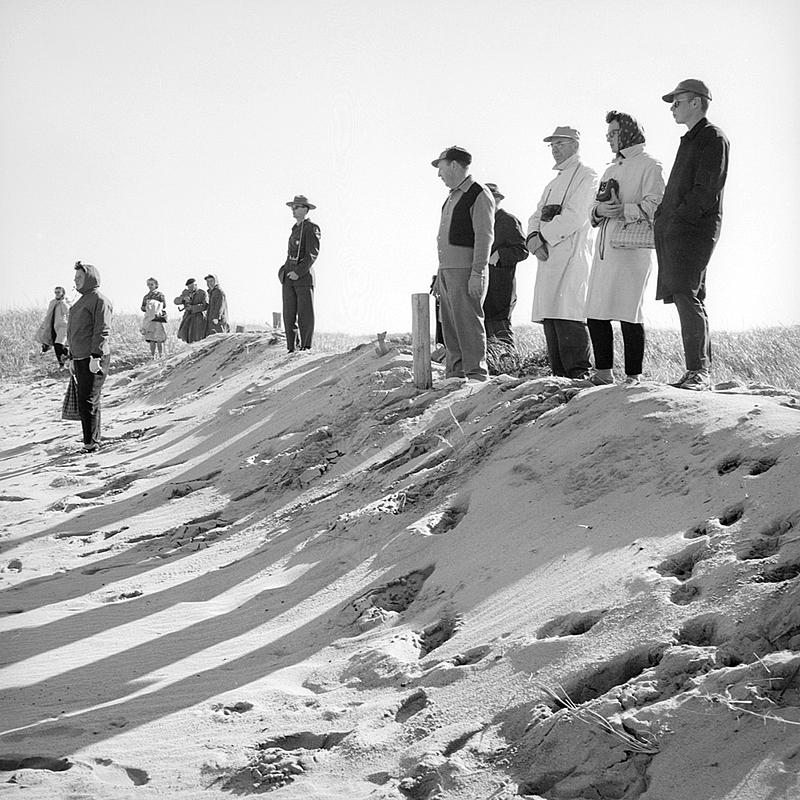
(421,340)
(276,320)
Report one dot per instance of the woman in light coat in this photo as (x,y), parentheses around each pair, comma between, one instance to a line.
(619,276)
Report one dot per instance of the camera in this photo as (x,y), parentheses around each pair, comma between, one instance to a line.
(607,190)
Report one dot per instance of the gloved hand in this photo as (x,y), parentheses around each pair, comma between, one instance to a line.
(215,321)
(71,365)
(94,365)
(494,258)
(292,275)
(476,285)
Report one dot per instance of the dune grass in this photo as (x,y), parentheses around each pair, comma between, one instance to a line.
(758,355)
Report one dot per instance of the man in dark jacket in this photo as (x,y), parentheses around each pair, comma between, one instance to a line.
(508,249)
(297,276)
(217,313)
(688,222)
(87,337)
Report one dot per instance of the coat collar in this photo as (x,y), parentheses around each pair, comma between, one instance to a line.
(628,152)
(698,126)
(572,161)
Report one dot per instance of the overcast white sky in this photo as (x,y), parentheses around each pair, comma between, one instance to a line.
(164,137)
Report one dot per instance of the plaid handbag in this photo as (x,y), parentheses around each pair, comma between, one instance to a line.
(69,409)
(634,235)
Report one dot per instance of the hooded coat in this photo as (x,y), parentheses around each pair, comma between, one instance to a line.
(55,322)
(90,320)
(217,310)
(561,281)
(193,324)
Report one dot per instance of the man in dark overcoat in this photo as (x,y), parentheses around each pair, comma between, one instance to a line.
(194,304)
(688,223)
(508,249)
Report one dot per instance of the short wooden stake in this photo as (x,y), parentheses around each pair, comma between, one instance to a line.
(421,340)
(276,319)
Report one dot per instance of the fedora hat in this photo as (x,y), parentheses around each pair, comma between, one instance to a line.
(492,187)
(689,85)
(564,132)
(301,200)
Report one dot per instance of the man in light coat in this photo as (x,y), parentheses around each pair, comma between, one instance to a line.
(464,242)
(559,237)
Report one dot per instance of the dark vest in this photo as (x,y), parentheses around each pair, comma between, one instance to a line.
(461,231)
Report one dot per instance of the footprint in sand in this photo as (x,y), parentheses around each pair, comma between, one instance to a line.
(108,771)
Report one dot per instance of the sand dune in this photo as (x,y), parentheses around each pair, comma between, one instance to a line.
(301,575)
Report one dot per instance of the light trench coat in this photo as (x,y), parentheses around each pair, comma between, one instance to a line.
(561,281)
(619,277)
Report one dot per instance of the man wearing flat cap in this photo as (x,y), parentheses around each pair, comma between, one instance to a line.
(297,276)
(194,303)
(688,223)
(466,232)
(559,236)
(508,249)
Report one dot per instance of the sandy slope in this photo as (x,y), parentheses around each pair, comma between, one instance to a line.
(301,575)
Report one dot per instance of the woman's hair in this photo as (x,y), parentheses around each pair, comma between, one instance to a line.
(630,131)
(154,281)
(60,289)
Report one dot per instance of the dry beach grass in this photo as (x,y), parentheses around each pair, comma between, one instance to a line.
(758,355)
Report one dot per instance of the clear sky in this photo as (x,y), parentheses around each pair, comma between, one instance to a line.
(164,137)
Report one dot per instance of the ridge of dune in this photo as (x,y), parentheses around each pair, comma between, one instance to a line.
(303,576)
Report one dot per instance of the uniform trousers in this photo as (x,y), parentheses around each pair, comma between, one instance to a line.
(298,314)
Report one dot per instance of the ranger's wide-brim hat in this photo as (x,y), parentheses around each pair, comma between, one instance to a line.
(689,85)
(492,187)
(301,200)
(563,132)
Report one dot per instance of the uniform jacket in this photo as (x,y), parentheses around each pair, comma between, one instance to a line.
(193,324)
(302,252)
(55,321)
(217,310)
(90,320)
(560,288)
(619,277)
(689,219)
